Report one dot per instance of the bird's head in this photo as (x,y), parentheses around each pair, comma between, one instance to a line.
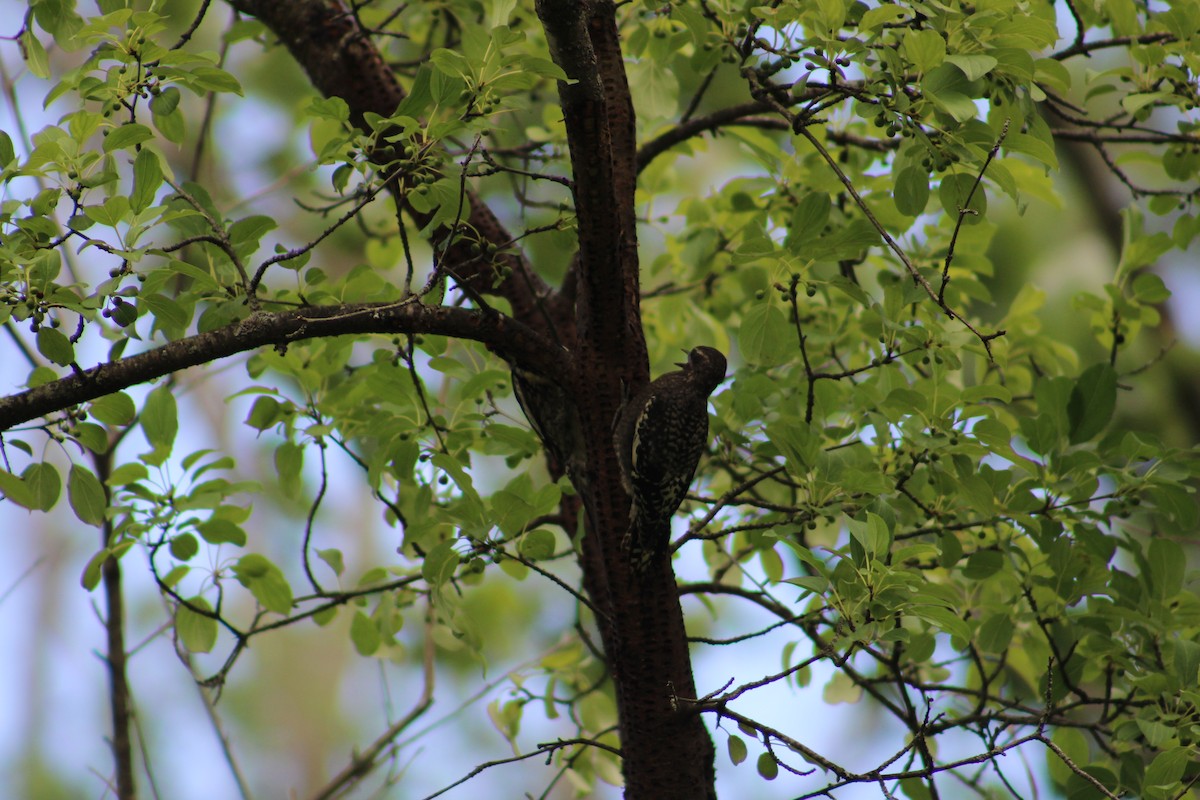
(707,366)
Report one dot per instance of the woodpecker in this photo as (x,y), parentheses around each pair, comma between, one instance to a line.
(550,410)
(659,435)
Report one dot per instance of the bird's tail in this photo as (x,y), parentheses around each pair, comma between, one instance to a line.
(644,541)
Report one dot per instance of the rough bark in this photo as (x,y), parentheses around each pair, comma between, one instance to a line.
(120,708)
(279,330)
(668,752)
(340,59)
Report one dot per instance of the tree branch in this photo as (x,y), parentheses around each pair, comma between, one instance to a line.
(281,329)
(363,763)
(120,706)
(342,61)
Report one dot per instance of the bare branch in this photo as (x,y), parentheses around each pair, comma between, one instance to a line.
(281,329)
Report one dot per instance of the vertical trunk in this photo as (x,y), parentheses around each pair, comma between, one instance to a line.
(668,752)
(118,682)
(119,704)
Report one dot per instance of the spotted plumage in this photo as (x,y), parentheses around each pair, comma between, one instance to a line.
(659,436)
(550,409)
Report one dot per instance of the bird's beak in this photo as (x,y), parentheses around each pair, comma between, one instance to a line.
(684,363)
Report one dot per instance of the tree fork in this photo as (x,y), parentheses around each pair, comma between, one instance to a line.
(667,753)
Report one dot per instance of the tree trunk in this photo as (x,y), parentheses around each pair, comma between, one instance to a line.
(667,750)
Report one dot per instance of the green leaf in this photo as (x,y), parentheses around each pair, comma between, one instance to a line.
(124,314)
(160,422)
(814,583)
(809,218)
(246,233)
(212,79)
(925,48)
(1136,102)
(536,65)
(451,63)
(1051,72)
(222,531)
(169,125)
(915,789)
(7,153)
(912,191)
(147,178)
(90,578)
(252,567)
(127,474)
(35,55)
(166,101)
(737,749)
(832,13)
(126,136)
(289,465)
(943,619)
(1074,746)
(772,564)
(1187,662)
(1167,767)
(54,345)
(14,489)
(197,632)
(1092,402)
(946,86)
(983,564)
(955,190)
(364,634)
(876,18)
(86,495)
(45,485)
(841,689)
(184,546)
(1144,251)
(995,634)
(951,549)
(1156,733)
(169,316)
(440,563)
(873,534)
(536,545)
(973,67)
(264,413)
(113,409)
(764,335)
(91,436)
(1149,288)
(331,108)
(767,767)
(333,558)
(265,581)
(1167,563)
(1033,146)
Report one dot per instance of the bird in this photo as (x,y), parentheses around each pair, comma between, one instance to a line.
(659,435)
(551,412)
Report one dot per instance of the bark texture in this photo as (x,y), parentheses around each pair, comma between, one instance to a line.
(668,752)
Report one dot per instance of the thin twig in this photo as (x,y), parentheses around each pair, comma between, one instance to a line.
(542,748)
(363,763)
(965,209)
(311,519)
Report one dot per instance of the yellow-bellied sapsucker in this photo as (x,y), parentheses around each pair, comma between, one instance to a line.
(659,436)
(551,411)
